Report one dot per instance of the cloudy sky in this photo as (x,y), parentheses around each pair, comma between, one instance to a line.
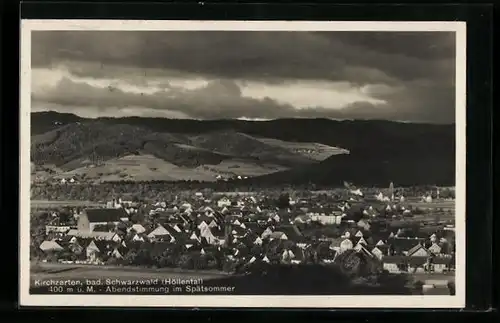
(246,75)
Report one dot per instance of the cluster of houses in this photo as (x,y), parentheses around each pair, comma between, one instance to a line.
(244,229)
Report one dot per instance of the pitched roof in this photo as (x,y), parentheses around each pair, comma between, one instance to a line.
(91,235)
(174,233)
(416,248)
(105,215)
(291,231)
(138,228)
(102,245)
(382,248)
(158,231)
(50,245)
(276,235)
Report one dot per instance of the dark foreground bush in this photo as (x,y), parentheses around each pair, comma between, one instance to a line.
(312,280)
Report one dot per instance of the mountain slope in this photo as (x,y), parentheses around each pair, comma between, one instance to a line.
(95,148)
(379,151)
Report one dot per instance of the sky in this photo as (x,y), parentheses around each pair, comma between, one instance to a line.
(252,75)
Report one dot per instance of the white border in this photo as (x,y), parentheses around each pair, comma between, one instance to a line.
(457,301)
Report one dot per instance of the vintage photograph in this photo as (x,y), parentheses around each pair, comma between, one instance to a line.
(259,164)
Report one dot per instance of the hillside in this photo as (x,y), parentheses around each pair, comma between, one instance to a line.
(379,151)
(98,149)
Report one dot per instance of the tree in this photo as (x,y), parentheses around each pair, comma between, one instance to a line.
(418,287)
(121,229)
(451,287)
(130,257)
(185,262)
(283,201)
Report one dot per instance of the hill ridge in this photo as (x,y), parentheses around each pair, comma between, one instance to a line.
(379,150)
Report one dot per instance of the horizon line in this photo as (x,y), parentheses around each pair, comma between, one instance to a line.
(244,119)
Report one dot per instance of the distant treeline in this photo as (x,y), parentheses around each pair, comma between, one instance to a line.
(87,191)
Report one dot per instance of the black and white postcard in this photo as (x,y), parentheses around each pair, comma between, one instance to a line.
(242,164)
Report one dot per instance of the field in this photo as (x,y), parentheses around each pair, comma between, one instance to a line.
(148,167)
(434,278)
(433,205)
(53,204)
(113,152)
(71,271)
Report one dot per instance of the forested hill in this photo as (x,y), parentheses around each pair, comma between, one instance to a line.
(380,151)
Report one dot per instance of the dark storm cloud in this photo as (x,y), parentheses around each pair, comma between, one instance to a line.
(420,64)
(218,100)
(262,55)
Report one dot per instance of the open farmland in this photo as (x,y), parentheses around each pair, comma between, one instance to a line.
(140,168)
(148,167)
(433,205)
(238,167)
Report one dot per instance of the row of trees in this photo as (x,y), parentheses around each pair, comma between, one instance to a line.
(161,189)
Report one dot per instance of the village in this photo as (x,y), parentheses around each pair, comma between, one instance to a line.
(235,232)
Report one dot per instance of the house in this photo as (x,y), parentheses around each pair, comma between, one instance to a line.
(435,249)
(346,234)
(224,202)
(194,236)
(159,231)
(206,233)
(267,232)
(360,240)
(119,252)
(361,250)
(138,228)
(278,235)
(418,251)
(287,256)
(50,246)
(176,227)
(70,243)
(90,218)
(96,250)
(292,233)
(138,237)
(379,252)
(364,225)
(401,246)
(96,235)
(202,225)
(57,229)
(345,245)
